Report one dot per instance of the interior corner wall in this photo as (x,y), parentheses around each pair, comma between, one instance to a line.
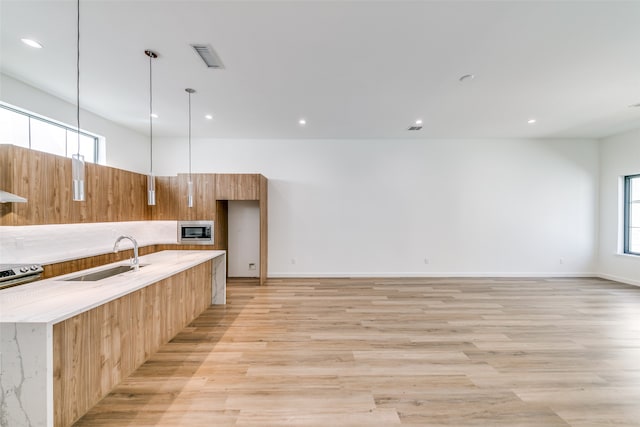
(619,156)
(416,207)
(126,149)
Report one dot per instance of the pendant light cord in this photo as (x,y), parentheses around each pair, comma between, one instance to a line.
(78,78)
(189,136)
(150,116)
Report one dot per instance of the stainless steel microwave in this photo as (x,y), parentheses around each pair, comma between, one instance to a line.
(195,232)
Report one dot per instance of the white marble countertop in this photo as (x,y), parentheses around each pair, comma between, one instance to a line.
(54,300)
(52,243)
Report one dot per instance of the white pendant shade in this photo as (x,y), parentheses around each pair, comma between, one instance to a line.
(190,194)
(151,189)
(77,172)
(190,183)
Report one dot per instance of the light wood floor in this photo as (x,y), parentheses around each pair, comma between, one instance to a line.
(382,352)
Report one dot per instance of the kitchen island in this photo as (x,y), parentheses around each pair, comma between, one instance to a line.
(65,344)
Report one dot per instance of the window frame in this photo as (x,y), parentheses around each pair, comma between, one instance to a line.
(31,116)
(627,214)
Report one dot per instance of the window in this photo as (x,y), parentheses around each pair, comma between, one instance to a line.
(24,129)
(45,137)
(632,214)
(14,128)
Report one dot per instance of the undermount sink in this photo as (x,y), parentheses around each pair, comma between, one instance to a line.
(102,274)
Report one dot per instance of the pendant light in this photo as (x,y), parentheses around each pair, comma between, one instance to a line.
(190,183)
(151,179)
(77,160)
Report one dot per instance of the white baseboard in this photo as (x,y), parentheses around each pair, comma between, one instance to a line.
(284,275)
(619,279)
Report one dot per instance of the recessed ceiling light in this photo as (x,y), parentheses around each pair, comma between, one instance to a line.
(154,115)
(467,77)
(531,121)
(302,122)
(208,117)
(419,121)
(32,43)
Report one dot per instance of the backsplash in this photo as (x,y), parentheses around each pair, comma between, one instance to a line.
(47,244)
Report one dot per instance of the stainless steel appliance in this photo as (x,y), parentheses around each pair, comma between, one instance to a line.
(19,274)
(195,232)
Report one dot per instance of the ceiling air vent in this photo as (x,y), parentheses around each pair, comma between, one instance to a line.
(414,127)
(208,55)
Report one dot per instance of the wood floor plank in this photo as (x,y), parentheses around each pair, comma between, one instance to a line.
(381,352)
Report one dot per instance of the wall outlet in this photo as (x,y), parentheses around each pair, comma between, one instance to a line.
(293,260)
(561,260)
(426,260)
(252,266)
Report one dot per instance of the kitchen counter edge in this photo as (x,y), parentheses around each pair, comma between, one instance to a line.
(55,299)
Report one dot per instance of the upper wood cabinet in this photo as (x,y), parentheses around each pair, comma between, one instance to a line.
(238,186)
(167,199)
(171,198)
(204,197)
(111,194)
(171,194)
(45,180)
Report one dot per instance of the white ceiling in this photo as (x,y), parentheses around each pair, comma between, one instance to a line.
(353,69)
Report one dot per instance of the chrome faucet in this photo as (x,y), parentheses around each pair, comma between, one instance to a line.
(134,261)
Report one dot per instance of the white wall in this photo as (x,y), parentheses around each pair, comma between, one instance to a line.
(619,156)
(380,207)
(244,239)
(126,149)
(383,207)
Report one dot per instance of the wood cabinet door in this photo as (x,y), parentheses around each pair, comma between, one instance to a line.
(238,186)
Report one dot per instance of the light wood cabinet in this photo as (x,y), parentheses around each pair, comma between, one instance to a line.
(167,199)
(95,350)
(30,180)
(45,180)
(238,186)
(204,197)
(264,234)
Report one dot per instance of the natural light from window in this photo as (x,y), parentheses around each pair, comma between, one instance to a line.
(24,129)
(632,214)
